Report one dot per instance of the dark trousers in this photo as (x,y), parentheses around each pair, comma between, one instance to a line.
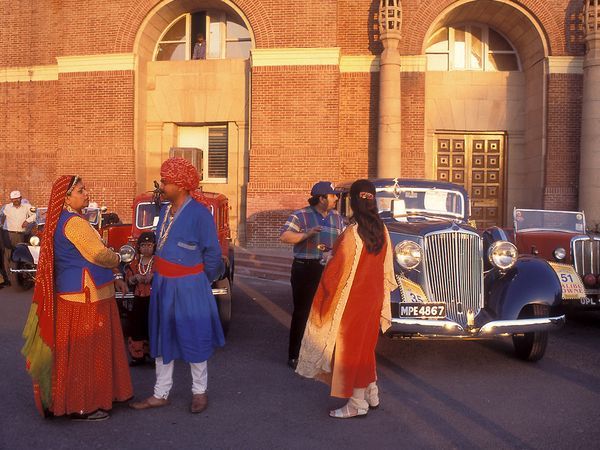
(305,280)
(137,318)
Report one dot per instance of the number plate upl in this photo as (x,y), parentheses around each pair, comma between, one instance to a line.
(423,310)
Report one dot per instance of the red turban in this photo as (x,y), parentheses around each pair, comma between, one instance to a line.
(182,173)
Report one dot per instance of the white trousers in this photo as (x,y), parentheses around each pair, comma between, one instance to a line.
(164,378)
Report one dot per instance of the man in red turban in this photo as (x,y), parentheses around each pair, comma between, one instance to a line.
(183,319)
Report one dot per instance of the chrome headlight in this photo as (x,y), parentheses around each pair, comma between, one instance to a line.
(408,254)
(34,241)
(503,254)
(127,253)
(559,253)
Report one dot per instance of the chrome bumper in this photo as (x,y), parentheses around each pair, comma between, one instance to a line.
(448,328)
(218,291)
(23,270)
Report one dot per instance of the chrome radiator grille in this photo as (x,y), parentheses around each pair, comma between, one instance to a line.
(586,255)
(454,272)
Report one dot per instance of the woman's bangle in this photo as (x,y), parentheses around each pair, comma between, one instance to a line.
(118,276)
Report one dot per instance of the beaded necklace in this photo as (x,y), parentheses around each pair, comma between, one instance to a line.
(141,269)
(164,229)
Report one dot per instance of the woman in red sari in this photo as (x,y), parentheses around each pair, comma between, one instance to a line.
(74,345)
(351,304)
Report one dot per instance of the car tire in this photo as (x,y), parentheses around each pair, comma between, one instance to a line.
(20,281)
(531,346)
(224,303)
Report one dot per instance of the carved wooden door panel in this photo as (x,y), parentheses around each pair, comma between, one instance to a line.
(475,161)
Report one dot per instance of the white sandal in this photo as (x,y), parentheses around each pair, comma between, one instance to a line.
(372,395)
(346,413)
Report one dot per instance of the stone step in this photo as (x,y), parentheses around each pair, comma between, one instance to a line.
(242,256)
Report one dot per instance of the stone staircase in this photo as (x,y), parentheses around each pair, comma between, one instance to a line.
(266,263)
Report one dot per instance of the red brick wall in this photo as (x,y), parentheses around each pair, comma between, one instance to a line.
(95,120)
(563,143)
(29,145)
(413,124)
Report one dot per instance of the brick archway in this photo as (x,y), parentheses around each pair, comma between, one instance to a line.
(541,16)
(140,10)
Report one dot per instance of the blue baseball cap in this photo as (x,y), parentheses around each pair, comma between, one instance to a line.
(323,188)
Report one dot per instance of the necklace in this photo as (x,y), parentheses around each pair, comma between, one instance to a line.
(164,229)
(145,271)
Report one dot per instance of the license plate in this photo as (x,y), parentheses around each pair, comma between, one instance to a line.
(423,310)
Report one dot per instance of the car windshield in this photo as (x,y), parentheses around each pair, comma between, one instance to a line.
(145,215)
(429,201)
(92,215)
(40,215)
(536,220)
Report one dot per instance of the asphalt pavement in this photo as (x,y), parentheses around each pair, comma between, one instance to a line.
(434,394)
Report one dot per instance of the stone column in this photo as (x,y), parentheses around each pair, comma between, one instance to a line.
(589,174)
(389,126)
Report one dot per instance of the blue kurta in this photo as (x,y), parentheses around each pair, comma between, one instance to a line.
(184,319)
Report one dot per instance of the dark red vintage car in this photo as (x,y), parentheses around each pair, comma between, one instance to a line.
(145,218)
(560,237)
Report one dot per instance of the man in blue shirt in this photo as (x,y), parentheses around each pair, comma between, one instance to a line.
(312,231)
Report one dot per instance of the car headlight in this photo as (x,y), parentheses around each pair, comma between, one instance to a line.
(503,254)
(34,240)
(127,253)
(408,254)
(560,253)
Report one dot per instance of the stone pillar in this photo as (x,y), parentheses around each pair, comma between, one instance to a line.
(389,125)
(589,174)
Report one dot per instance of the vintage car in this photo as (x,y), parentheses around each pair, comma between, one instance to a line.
(146,208)
(25,256)
(560,237)
(455,281)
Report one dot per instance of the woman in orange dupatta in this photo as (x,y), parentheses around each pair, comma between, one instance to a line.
(351,304)
(74,346)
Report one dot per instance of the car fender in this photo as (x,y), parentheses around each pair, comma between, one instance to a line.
(530,281)
(22,254)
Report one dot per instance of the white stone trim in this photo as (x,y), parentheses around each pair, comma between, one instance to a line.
(565,64)
(359,64)
(413,63)
(33,73)
(270,57)
(96,63)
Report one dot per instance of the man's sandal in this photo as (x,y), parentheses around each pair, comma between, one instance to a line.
(346,413)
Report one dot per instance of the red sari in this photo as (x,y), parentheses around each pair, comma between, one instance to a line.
(354,355)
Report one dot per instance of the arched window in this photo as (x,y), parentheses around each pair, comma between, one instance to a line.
(470,47)
(225,35)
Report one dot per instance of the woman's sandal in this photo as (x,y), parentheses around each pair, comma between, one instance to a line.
(346,413)
(372,396)
(96,416)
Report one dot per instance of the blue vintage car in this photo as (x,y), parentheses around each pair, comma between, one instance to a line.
(455,281)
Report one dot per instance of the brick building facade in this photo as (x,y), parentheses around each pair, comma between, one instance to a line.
(86,88)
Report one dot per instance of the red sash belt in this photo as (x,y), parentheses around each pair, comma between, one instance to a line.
(172,270)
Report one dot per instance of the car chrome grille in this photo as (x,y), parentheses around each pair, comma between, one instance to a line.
(454,272)
(586,255)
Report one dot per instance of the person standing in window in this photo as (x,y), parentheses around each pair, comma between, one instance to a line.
(312,230)
(199,48)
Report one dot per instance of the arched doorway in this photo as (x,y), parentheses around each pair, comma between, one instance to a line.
(192,95)
(485,106)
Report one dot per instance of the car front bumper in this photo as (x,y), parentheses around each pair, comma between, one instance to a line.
(432,328)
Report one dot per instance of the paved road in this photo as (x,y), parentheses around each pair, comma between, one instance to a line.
(433,394)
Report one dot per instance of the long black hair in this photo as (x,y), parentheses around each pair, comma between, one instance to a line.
(364,207)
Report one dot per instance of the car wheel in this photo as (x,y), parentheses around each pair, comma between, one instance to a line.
(531,346)
(22,281)
(224,303)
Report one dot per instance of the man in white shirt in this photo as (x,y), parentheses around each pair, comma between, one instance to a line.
(15,218)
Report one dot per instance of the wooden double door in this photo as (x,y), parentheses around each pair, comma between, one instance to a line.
(476,162)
